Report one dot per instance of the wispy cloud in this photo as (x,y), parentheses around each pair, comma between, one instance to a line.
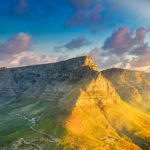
(75,43)
(86,12)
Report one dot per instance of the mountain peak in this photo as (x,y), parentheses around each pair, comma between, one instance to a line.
(88,61)
(77,62)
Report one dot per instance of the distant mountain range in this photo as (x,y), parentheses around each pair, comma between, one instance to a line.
(132,86)
(71,105)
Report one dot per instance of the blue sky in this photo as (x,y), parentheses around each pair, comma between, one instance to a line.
(52,31)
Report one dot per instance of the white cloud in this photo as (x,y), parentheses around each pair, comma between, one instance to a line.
(30,58)
(139,7)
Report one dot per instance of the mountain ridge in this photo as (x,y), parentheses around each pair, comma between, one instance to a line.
(123,69)
(73,101)
(132,86)
(84,60)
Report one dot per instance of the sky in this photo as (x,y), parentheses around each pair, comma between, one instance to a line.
(114,32)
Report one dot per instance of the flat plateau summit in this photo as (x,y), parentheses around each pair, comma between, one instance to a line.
(71,105)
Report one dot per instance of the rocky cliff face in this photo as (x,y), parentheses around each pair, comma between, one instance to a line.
(132,86)
(37,80)
(100,112)
(74,102)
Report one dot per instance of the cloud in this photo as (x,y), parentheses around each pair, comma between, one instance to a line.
(20,7)
(116,62)
(95,53)
(75,43)
(31,58)
(123,40)
(105,13)
(15,44)
(62,57)
(17,51)
(80,4)
(142,49)
(105,62)
(143,61)
(86,12)
(28,9)
(127,49)
(17,8)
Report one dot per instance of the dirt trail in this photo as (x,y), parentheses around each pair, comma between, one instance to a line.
(22,141)
(51,138)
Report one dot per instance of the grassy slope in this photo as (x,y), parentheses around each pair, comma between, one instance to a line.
(89,125)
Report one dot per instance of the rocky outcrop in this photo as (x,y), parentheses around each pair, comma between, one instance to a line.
(132,86)
(100,112)
(36,79)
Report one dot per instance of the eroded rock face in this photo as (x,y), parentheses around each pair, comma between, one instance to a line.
(18,80)
(99,112)
(132,86)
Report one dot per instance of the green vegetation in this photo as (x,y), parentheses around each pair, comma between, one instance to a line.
(76,109)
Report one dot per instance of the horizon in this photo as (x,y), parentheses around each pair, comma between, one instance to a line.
(114,33)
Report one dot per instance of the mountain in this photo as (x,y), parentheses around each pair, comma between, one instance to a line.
(132,86)
(67,105)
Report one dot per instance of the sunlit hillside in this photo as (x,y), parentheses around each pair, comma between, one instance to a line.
(132,86)
(68,105)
